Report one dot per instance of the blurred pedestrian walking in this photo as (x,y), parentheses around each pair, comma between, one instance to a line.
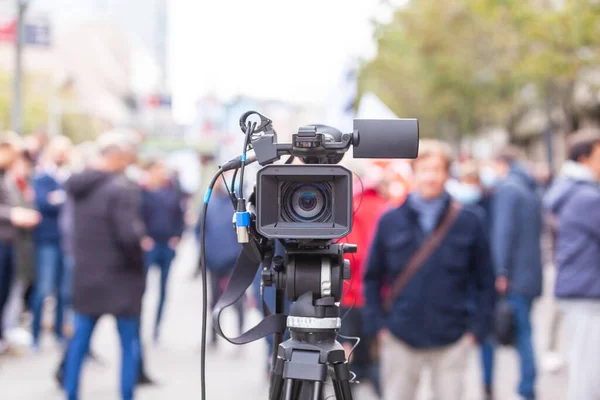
(574,202)
(49,198)
(163,216)
(19,184)
(427,258)
(516,245)
(222,249)
(12,217)
(471,192)
(109,266)
(369,204)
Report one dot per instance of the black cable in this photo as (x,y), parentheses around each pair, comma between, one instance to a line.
(249,131)
(231,190)
(204,282)
(235,173)
(362,194)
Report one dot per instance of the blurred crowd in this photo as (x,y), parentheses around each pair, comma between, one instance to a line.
(80,226)
(450,259)
(459,264)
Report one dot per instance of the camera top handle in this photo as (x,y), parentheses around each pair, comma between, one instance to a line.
(314,144)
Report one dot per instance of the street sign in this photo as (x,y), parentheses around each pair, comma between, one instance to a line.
(37,34)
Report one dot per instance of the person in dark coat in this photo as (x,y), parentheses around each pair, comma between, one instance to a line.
(12,218)
(516,245)
(19,185)
(162,213)
(49,198)
(109,265)
(432,321)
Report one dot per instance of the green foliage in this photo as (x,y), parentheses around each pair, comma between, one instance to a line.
(460,65)
(35,104)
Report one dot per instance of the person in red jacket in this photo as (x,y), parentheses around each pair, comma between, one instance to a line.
(369,204)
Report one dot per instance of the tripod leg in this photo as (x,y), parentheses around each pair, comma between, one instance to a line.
(341,382)
(289,389)
(277,380)
(318,388)
(337,389)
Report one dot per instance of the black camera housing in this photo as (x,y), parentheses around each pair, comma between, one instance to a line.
(278,212)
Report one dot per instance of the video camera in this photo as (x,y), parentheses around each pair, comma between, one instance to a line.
(304,207)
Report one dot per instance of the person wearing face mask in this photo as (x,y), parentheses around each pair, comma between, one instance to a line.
(470,192)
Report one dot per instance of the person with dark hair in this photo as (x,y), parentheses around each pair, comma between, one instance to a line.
(516,246)
(49,198)
(12,218)
(19,184)
(573,204)
(162,213)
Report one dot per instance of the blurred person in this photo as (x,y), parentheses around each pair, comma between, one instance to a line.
(426,319)
(33,147)
(516,245)
(19,184)
(470,192)
(163,216)
(109,265)
(574,201)
(368,204)
(222,249)
(84,156)
(12,217)
(49,198)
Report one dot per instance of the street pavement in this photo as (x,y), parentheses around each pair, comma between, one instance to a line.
(232,372)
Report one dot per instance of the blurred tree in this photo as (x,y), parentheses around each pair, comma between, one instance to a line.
(464,64)
(35,101)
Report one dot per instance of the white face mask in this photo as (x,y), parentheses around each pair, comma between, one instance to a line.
(468,194)
(488,176)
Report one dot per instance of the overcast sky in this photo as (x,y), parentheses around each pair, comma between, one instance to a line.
(278,49)
(288,50)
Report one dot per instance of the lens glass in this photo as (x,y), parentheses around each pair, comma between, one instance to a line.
(306,202)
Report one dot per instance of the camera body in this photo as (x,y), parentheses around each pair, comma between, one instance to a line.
(313,202)
(304,202)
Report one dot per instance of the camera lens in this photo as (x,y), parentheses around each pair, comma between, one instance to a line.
(306,202)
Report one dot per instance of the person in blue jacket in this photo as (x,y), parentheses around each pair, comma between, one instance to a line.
(573,203)
(163,215)
(433,321)
(222,248)
(49,198)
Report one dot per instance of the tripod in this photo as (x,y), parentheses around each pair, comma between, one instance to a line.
(304,362)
